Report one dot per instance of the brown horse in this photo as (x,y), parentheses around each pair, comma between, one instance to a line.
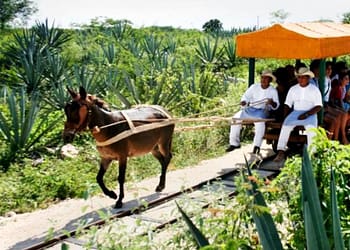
(120,134)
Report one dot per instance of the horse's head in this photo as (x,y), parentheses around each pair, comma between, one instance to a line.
(77,113)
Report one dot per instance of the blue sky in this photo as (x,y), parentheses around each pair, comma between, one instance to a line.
(187,13)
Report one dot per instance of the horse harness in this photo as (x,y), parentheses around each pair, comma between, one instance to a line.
(133,130)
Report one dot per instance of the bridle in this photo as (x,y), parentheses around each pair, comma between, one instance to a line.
(83,123)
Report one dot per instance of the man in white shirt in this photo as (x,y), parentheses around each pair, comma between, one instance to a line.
(306,101)
(256,103)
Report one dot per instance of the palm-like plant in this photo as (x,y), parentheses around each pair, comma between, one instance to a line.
(22,127)
(208,52)
(32,52)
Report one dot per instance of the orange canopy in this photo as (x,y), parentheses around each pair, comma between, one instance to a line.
(310,40)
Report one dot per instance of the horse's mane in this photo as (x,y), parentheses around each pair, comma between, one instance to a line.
(99,102)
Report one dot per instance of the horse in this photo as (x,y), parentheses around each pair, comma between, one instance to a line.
(120,134)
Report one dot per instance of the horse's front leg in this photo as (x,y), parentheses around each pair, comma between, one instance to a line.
(103,168)
(121,180)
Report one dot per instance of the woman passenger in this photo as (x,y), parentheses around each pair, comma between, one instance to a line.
(339,99)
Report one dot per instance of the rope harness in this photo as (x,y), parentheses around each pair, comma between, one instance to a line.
(159,123)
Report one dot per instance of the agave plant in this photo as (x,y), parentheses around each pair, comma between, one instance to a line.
(50,38)
(22,127)
(315,231)
(230,49)
(152,45)
(32,53)
(109,53)
(121,30)
(208,52)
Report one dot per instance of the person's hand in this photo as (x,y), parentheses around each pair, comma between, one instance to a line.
(243,103)
(303,116)
(269,101)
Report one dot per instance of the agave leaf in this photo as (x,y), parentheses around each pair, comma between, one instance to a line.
(316,237)
(14,119)
(337,235)
(35,136)
(264,223)
(29,121)
(198,236)
(5,127)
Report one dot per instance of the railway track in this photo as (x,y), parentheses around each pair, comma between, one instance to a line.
(154,215)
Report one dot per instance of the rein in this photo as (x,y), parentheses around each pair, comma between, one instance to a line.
(163,123)
(257,102)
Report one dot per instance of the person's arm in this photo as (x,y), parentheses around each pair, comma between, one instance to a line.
(286,110)
(272,103)
(310,112)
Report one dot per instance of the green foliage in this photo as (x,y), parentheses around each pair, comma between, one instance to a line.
(22,127)
(327,155)
(13,9)
(316,237)
(197,235)
(336,227)
(208,52)
(266,228)
(346,18)
(21,188)
(212,26)
(34,55)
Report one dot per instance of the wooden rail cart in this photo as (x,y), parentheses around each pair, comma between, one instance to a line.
(309,40)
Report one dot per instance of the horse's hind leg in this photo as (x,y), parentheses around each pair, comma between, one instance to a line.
(121,180)
(103,168)
(163,154)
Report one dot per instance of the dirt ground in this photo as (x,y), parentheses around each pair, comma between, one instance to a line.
(19,231)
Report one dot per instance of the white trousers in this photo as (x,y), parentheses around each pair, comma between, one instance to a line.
(291,122)
(285,133)
(235,132)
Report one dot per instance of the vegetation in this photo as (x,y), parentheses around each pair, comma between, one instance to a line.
(289,212)
(213,26)
(346,18)
(192,74)
(185,71)
(15,9)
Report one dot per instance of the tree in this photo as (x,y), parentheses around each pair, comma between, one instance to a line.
(278,16)
(346,18)
(15,9)
(212,26)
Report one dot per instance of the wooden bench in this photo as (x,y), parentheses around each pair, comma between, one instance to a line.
(272,133)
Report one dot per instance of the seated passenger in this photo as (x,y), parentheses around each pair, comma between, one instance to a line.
(256,103)
(282,81)
(339,99)
(305,99)
(332,116)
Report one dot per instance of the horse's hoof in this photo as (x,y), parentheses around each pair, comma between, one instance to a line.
(118,204)
(159,188)
(113,195)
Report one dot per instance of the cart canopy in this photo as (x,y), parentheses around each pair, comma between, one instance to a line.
(309,40)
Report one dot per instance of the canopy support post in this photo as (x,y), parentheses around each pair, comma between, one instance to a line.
(321,81)
(251,71)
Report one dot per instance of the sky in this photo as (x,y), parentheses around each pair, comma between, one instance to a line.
(187,14)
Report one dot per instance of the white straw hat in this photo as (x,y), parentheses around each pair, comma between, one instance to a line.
(303,71)
(268,73)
